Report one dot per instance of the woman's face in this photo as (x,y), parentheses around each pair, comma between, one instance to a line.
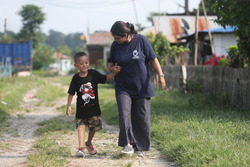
(120,39)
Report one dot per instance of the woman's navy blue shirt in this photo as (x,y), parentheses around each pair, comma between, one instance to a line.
(134,78)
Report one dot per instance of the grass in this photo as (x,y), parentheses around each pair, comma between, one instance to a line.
(207,133)
(12,90)
(48,152)
(194,129)
(108,104)
(48,93)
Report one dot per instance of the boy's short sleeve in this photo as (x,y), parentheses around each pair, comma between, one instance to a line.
(101,78)
(71,89)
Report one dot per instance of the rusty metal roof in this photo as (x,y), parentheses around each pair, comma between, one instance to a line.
(174,27)
(99,38)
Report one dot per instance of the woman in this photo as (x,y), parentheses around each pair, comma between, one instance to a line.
(133,86)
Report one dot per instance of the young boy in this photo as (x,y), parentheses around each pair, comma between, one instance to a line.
(84,84)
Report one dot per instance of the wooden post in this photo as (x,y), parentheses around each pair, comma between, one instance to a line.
(196,37)
(209,33)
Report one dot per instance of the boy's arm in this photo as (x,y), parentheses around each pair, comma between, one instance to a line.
(111,75)
(114,69)
(68,110)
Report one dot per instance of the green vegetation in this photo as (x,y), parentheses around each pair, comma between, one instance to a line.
(230,12)
(32,19)
(49,93)
(47,152)
(12,91)
(193,129)
(190,129)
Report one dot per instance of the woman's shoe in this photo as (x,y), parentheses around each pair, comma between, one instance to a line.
(128,149)
(139,154)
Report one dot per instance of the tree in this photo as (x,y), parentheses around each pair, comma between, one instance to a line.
(65,50)
(160,45)
(42,56)
(74,42)
(71,43)
(152,14)
(210,6)
(236,13)
(55,39)
(32,18)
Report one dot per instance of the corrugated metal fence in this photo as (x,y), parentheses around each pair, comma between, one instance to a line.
(215,80)
(17,55)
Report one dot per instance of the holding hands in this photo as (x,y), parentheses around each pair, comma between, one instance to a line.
(115,69)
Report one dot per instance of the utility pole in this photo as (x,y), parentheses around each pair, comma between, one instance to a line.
(186,7)
(5,29)
(137,22)
(209,33)
(196,37)
(159,15)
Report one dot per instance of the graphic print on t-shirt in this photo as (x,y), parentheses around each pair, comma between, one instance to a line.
(87,92)
(135,55)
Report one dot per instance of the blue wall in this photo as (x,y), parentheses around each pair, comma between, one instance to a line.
(17,55)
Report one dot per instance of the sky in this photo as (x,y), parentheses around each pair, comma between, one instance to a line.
(74,16)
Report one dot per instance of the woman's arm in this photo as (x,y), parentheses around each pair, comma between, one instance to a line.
(157,67)
(114,69)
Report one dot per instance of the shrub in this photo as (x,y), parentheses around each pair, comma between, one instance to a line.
(194,85)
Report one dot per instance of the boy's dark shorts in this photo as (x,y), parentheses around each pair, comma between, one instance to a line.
(93,123)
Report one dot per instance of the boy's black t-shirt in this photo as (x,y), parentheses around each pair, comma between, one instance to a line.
(86,88)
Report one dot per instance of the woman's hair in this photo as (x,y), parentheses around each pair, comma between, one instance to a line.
(121,29)
(79,54)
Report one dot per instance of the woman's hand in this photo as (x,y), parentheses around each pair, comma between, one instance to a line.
(116,69)
(162,82)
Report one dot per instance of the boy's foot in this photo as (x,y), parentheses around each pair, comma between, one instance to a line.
(139,153)
(128,149)
(80,153)
(91,149)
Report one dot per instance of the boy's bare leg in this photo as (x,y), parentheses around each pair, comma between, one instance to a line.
(81,135)
(89,145)
(90,136)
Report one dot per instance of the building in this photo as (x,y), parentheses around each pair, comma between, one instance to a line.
(62,65)
(222,38)
(98,46)
(174,26)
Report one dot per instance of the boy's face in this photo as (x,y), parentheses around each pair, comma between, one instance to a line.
(82,64)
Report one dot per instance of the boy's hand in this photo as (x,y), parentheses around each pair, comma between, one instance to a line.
(68,110)
(116,69)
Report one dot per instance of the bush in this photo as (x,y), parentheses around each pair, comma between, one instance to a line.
(194,85)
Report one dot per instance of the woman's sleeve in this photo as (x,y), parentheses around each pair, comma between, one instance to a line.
(148,49)
(111,58)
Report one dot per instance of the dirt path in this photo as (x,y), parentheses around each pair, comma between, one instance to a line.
(17,141)
(108,153)
(19,135)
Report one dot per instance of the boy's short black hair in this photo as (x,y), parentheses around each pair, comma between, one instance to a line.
(79,54)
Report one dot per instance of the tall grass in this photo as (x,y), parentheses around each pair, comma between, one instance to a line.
(194,130)
(12,90)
